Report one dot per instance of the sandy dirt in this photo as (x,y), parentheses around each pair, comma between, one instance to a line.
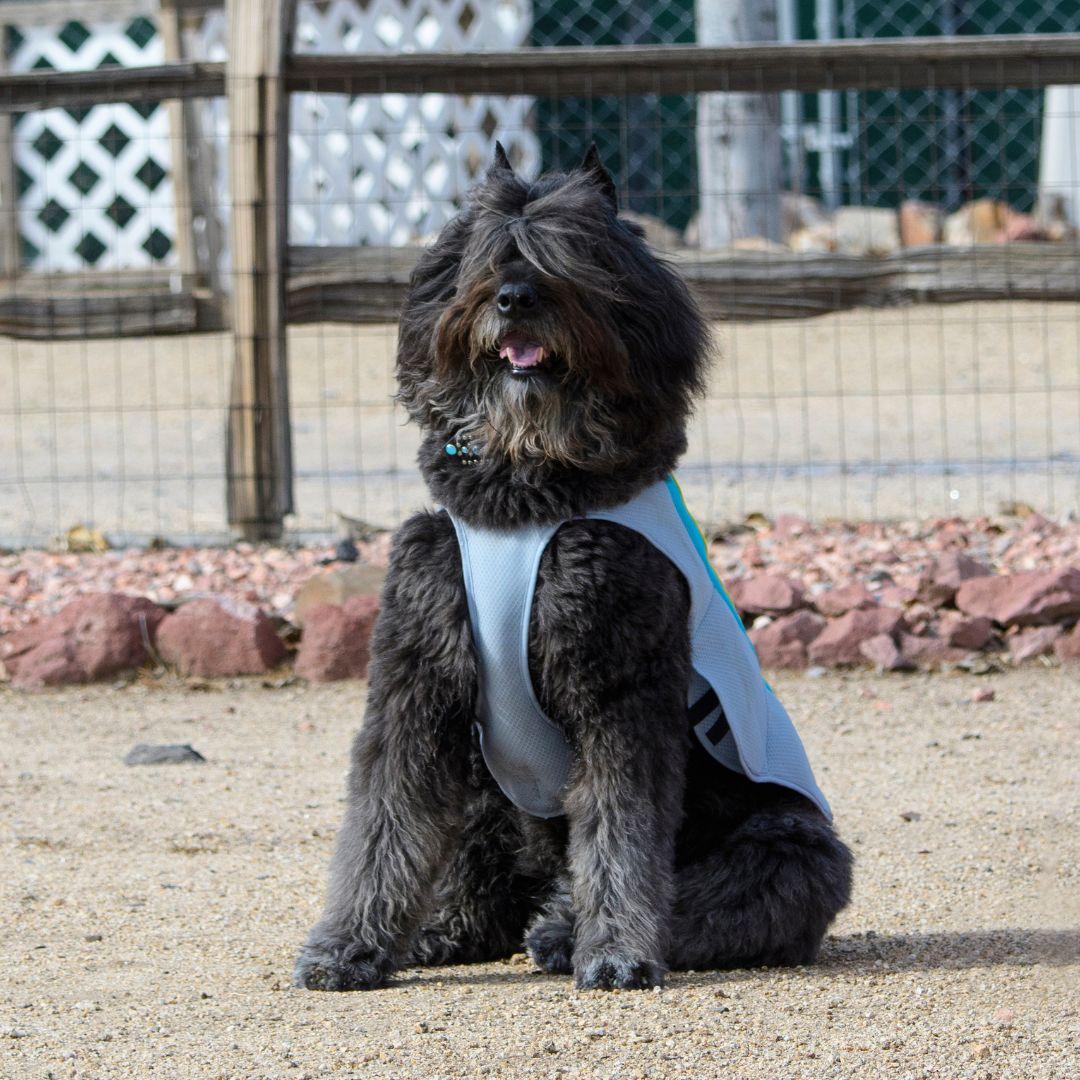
(149,916)
(895,413)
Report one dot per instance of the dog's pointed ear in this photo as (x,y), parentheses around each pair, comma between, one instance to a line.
(500,163)
(593,167)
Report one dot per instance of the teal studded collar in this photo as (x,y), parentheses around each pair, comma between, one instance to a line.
(463,450)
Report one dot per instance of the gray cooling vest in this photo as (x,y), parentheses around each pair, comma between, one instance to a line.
(734,712)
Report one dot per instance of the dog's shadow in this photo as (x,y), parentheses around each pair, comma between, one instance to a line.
(945,949)
(865,953)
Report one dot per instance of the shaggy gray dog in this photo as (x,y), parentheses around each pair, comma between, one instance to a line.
(551,360)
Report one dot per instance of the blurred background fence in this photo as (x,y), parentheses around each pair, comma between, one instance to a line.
(207,216)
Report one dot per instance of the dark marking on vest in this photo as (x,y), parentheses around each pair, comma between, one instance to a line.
(701,708)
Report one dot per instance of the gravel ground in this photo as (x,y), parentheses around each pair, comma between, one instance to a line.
(149,916)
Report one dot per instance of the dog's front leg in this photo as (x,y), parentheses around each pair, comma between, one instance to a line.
(407,781)
(612,629)
(624,811)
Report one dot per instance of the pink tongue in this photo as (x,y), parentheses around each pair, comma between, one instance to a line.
(521,353)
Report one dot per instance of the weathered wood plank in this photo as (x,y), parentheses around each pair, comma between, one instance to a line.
(258,450)
(92,304)
(1005,60)
(50,12)
(881,63)
(367,285)
(32,90)
(363,285)
(104,316)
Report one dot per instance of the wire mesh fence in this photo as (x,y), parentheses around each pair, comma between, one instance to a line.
(892,265)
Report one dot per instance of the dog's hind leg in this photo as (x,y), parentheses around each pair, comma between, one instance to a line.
(550,937)
(765,896)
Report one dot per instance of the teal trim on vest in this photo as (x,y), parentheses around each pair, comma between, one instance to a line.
(527,753)
(698,539)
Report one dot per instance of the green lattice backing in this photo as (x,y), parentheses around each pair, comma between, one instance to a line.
(944,146)
(648,142)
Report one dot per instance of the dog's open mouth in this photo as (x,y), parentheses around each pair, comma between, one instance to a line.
(524,355)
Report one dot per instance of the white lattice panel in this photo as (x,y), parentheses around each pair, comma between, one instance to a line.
(94,184)
(391,169)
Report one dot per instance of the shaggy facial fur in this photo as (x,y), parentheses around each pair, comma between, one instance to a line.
(541,332)
(624,349)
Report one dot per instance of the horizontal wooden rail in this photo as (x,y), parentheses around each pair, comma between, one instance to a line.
(105,304)
(367,285)
(881,63)
(364,285)
(32,90)
(1002,61)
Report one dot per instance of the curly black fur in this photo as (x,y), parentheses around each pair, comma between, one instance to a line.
(663,859)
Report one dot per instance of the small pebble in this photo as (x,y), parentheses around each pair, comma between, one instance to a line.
(170,754)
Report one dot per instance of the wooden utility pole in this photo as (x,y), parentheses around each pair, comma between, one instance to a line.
(738,135)
(259,449)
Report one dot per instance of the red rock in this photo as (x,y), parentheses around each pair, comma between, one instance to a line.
(336,643)
(979,222)
(919,617)
(1035,523)
(839,642)
(1068,647)
(920,223)
(947,574)
(836,602)
(790,525)
(216,638)
(782,644)
(929,653)
(94,637)
(1025,599)
(881,651)
(1019,226)
(962,632)
(336,586)
(982,695)
(897,596)
(1034,641)
(767,594)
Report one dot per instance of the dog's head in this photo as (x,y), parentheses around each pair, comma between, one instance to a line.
(542,331)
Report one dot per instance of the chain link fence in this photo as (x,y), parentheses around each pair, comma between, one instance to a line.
(948,146)
(865,370)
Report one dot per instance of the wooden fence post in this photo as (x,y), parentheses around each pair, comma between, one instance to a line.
(259,451)
(738,135)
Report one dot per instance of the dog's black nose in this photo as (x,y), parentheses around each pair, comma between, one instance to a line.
(516,298)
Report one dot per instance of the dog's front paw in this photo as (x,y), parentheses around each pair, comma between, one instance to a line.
(319,967)
(550,945)
(616,971)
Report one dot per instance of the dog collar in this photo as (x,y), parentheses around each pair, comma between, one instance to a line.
(463,450)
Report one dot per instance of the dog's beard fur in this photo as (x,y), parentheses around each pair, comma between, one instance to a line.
(532,419)
(563,414)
